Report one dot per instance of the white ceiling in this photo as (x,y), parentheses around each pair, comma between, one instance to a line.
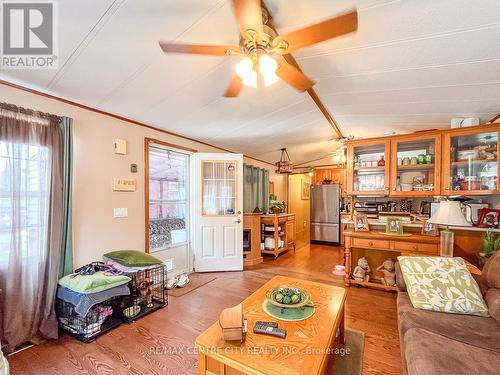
(411,65)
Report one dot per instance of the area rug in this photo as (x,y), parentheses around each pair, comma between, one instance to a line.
(196,280)
(348,358)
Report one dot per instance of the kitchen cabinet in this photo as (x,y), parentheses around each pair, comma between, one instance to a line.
(368,167)
(335,175)
(416,165)
(470,161)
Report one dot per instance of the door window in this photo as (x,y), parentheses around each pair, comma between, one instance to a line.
(219,188)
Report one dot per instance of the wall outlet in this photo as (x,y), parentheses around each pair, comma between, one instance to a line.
(169,263)
(120,212)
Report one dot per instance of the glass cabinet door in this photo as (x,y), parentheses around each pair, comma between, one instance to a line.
(472,163)
(369,167)
(416,163)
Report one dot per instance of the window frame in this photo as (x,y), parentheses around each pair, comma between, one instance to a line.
(151,142)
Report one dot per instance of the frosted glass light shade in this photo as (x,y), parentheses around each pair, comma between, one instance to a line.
(449,213)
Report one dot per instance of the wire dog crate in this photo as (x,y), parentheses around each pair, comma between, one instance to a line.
(100,318)
(148,292)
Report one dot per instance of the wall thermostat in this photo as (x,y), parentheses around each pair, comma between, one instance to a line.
(120,146)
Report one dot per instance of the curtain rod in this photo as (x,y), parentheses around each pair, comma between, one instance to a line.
(29,112)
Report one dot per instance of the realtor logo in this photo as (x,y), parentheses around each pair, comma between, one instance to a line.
(28,35)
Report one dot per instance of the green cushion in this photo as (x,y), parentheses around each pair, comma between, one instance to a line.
(442,284)
(92,283)
(133,258)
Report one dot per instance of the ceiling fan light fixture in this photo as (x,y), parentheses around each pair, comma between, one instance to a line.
(251,79)
(244,69)
(267,68)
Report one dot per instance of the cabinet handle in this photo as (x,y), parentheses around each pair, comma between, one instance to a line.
(448,188)
(415,247)
(370,243)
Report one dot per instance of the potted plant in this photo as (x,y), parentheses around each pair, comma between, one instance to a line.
(276,206)
(491,244)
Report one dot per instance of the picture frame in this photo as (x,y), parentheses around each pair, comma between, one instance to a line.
(361,223)
(429,229)
(394,226)
(305,191)
(489,218)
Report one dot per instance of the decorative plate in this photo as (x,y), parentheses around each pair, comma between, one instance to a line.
(286,296)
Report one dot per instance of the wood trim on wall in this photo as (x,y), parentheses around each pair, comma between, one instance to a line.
(166,144)
(146,194)
(147,142)
(118,117)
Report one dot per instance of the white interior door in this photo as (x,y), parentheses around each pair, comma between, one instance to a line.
(218,218)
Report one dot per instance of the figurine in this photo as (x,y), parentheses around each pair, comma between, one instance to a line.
(387,268)
(362,270)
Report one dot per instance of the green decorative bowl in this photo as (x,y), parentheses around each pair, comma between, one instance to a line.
(286,296)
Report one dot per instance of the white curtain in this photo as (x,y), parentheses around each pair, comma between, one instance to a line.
(30,226)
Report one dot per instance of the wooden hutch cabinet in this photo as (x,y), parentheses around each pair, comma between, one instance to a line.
(416,165)
(471,161)
(368,167)
(428,163)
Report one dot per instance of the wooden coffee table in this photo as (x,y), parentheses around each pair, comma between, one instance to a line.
(305,349)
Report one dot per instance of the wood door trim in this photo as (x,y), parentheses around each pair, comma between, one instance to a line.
(170,145)
(146,194)
(118,117)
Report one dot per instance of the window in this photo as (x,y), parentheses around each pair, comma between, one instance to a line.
(24,185)
(219,188)
(168,178)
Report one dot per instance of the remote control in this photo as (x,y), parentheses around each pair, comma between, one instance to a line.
(269,328)
(262,323)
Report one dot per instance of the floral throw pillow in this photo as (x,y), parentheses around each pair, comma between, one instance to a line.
(442,284)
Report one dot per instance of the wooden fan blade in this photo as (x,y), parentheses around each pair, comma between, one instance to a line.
(198,49)
(307,36)
(293,76)
(234,87)
(248,15)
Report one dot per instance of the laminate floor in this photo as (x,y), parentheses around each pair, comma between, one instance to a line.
(130,349)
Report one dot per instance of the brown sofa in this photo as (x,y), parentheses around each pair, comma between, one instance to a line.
(441,343)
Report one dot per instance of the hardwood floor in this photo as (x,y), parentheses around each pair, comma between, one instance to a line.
(130,349)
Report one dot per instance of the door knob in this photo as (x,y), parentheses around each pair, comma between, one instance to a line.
(239,212)
(238,221)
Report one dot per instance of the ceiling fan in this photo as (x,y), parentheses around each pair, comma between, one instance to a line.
(263,50)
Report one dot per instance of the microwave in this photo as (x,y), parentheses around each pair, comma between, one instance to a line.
(469,210)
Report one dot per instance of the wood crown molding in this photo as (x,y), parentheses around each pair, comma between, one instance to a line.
(118,117)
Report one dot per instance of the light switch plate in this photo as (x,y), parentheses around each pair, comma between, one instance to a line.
(120,212)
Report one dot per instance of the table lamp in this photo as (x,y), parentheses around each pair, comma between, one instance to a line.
(448,213)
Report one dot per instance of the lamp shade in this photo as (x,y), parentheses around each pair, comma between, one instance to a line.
(449,213)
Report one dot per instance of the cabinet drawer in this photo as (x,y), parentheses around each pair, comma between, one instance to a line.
(366,242)
(426,248)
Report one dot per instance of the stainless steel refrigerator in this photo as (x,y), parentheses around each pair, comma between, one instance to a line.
(325,214)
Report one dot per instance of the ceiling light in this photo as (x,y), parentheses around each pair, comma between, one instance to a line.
(247,70)
(285,165)
(268,67)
